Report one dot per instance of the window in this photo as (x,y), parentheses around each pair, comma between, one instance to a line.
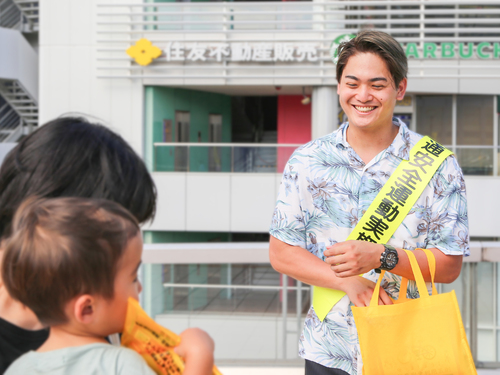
(434,117)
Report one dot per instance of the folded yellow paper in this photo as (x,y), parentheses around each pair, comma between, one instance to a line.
(152,341)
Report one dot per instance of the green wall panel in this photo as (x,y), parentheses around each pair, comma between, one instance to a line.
(181,237)
(163,102)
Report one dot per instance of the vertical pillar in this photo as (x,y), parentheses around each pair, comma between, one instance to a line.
(324,110)
(151,278)
(152,293)
(198,297)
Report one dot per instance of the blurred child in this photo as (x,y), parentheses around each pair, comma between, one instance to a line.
(74,263)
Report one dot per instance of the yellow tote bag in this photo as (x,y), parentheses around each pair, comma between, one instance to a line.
(414,336)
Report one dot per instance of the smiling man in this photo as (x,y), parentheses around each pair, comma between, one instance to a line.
(329,183)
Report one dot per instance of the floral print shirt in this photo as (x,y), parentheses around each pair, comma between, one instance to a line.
(325,189)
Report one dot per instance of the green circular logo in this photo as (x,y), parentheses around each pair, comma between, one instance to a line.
(335,45)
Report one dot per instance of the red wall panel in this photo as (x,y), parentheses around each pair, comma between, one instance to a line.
(294,125)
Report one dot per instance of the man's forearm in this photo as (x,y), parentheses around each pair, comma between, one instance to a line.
(300,264)
(448,267)
(352,258)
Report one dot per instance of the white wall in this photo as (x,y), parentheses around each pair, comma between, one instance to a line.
(68,71)
(483,201)
(240,202)
(229,202)
(240,337)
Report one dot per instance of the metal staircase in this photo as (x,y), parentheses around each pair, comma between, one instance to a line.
(10,122)
(29,9)
(18,108)
(25,108)
(20,15)
(10,15)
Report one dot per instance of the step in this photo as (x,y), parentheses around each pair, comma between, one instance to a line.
(21,2)
(26,109)
(16,96)
(19,101)
(10,93)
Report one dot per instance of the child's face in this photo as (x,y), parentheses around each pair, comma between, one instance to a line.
(126,285)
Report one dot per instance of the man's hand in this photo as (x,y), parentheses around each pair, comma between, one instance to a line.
(353,258)
(360,291)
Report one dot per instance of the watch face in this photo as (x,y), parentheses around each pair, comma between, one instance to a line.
(391,259)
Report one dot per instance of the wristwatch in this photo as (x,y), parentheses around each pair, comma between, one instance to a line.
(388,259)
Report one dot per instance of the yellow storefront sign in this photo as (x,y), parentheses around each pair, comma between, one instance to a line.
(143,52)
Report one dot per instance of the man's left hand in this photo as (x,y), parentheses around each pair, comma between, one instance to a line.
(353,258)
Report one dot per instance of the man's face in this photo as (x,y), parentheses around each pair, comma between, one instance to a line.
(367,92)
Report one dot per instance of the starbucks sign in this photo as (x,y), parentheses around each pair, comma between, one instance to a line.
(444,50)
(447,50)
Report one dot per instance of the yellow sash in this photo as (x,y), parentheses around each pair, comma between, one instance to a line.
(390,207)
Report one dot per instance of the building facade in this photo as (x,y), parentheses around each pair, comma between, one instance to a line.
(216,95)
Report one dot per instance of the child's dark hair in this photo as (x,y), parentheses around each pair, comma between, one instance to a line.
(64,247)
(71,157)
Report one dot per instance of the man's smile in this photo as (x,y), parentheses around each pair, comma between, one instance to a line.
(364,109)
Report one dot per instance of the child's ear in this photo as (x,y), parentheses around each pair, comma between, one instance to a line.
(84,308)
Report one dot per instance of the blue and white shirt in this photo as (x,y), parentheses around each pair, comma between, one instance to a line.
(325,190)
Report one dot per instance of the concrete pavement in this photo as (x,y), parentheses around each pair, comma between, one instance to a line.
(256,370)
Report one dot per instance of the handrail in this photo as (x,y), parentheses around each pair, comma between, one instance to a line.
(229,286)
(330,3)
(387,12)
(221,144)
(257,253)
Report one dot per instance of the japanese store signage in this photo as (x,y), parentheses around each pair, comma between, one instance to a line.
(144,52)
(260,52)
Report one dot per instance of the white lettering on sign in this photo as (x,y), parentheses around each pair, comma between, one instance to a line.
(196,53)
(241,52)
(284,52)
(219,50)
(174,52)
(263,52)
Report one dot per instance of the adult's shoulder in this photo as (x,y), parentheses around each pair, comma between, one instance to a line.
(324,142)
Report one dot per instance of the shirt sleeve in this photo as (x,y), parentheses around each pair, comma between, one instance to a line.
(447,221)
(131,363)
(288,220)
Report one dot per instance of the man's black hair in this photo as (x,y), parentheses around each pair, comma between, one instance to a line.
(71,157)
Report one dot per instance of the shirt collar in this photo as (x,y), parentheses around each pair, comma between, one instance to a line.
(399,147)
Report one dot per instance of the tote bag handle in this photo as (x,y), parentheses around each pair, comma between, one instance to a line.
(417,273)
